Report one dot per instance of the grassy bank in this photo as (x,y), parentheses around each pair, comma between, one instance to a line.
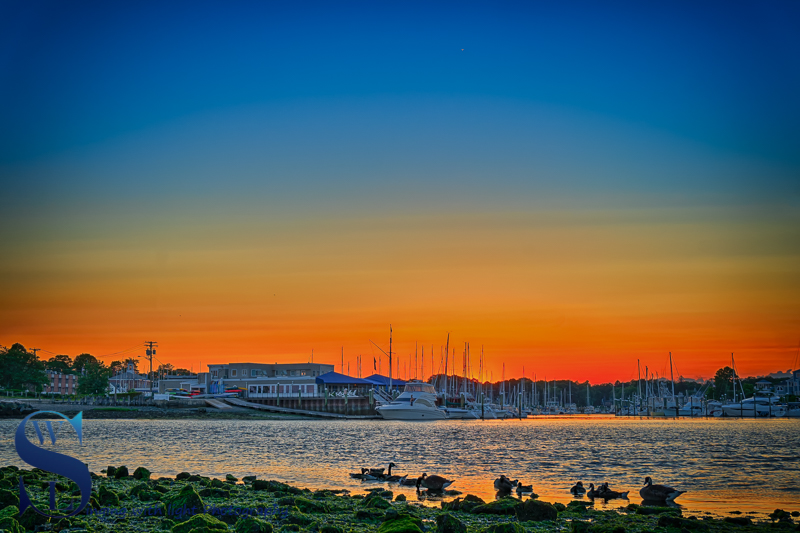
(131,501)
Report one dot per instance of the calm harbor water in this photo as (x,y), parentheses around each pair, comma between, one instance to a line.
(725,465)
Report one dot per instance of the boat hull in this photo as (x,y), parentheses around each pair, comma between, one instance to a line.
(389,412)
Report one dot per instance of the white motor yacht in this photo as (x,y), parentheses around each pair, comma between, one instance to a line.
(417,402)
(755,406)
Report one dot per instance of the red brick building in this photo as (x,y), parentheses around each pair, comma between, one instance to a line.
(60,383)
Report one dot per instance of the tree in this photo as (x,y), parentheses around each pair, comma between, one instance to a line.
(723,381)
(60,363)
(20,369)
(82,360)
(134,362)
(116,367)
(182,372)
(94,379)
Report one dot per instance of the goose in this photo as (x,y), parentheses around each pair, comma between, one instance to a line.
(408,482)
(363,475)
(607,494)
(578,488)
(389,477)
(658,493)
(503,484)
(592,492)
(434,482)
(524,489)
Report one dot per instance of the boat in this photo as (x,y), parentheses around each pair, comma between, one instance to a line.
(417,402)
(755,407)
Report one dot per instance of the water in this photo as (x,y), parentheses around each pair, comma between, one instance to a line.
(725,465)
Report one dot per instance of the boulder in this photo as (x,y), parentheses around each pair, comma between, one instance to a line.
(107,498)
(121,472)
(447,523)
(141,473)
(250,524)
(204,523)
(503,506)
(184,502)
(506,527)
(401,524)
(535,511)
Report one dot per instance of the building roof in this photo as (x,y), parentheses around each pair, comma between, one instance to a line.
(335,378)
(377,379)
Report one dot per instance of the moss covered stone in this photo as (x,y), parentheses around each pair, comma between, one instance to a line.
(296,517)
(400,498)
(503,506)
(183,476)
(183,502)
(110,471)
(401,524)
(647,510)
(141,473)
(249,524)
(200,523)
(7,498)
(121,472)
(669,520)
(10,525)
(505,527)
(107,497)
(447,523)
(328,528)
(310,506)
(229,477)
(535,511)
(375,502)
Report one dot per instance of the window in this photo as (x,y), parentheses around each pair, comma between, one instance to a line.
(233,372)
(253,372)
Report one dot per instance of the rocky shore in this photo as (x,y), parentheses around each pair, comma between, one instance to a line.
(131,501)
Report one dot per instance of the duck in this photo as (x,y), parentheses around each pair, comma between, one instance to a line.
(578,488)
(592,493)
(503,484)
(434,482)
(658,493)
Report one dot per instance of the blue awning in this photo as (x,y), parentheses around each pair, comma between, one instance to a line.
(335,378)
(383,381)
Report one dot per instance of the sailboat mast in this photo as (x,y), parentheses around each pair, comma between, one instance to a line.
(390,359)
(672,378)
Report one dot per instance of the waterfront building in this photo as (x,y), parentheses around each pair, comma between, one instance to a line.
(127,380)
(59,383)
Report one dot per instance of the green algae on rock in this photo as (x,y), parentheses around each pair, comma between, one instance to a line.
(401,524)
(202,522)
(503,506)
(249,524)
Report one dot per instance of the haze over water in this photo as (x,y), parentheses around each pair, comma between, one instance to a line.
(724,465)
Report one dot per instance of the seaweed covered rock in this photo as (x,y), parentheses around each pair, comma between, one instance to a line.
(738,520)
(7,498)
(400,498)
(503,506)
(248,479)
(230,477)
(401,524)
(780,515)
(217,483)
(107,498)
(505,527)
(447,523)
(110,471)
(183,476)
(141,473)
(10,525)
(535,511)
(329,528)
(669,520)
(368,514)
(647,510)
(298,518)
(121,472)
(185,501)
(200,523)
(250,524)
(310,506)
(375,502)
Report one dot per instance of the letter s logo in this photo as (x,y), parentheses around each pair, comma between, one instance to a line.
(57,463)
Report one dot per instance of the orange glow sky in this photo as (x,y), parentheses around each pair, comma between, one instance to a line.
(572,187)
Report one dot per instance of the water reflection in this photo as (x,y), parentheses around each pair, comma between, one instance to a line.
(725,465)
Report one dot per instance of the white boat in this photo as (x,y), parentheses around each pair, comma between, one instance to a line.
(417,402)
(461,413)
(588,410)
(755,407)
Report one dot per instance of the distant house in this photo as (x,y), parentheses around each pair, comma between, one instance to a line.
(791,385)
(127,380)
(764,386)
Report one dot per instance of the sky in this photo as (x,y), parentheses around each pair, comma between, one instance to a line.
(571,187)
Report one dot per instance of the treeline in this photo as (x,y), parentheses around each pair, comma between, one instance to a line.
(21,370)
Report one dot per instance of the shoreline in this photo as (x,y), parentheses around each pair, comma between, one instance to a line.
(129,500)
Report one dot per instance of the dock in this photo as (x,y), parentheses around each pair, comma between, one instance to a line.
(304,412)
(217,404)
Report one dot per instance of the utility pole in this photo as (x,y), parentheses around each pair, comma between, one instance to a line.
(151,351)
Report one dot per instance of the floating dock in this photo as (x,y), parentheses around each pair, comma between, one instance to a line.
(286,410)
